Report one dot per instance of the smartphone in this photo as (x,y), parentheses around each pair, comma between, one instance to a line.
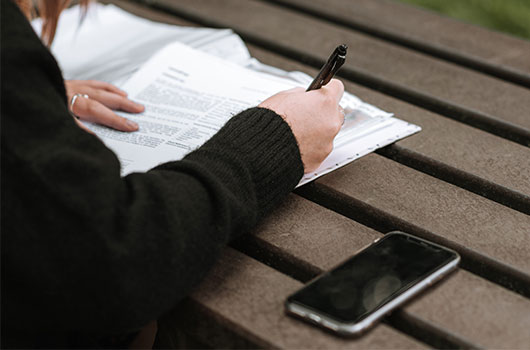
(353,296)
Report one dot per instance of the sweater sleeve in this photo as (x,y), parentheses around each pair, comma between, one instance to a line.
(86,249)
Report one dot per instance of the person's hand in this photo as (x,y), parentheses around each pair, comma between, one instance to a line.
(97,108)
(315,118)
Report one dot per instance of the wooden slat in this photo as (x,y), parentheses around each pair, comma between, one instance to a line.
(478,48)
(458,216)
(483,163)
(464,305)
(247,297)
(486,102)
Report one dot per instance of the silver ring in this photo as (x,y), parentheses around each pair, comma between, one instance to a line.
(72,102)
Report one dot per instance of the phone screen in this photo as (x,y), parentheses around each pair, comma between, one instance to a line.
(373,277)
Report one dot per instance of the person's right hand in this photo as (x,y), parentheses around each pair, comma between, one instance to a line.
(315,118)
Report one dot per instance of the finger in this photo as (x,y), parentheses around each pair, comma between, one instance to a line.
(115,101)
(95,112)
(335,88)
(75,87)
(96,84)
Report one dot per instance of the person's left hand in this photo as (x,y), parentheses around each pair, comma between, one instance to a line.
(97,108)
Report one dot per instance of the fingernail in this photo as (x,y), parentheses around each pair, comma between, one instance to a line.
(131,124)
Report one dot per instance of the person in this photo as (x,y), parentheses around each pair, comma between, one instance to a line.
(89,256)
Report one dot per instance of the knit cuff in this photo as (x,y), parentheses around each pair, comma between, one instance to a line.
(266,144)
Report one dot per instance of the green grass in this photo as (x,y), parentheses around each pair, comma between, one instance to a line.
(509,16)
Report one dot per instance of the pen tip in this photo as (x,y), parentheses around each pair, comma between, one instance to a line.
(343,49)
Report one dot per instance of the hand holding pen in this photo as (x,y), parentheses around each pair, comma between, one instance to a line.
(314,117)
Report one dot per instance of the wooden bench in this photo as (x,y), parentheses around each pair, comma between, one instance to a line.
(464,181)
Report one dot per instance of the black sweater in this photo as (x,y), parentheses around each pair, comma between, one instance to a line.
(85,250)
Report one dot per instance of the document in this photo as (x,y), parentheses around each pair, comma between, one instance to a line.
(189,95)
(197,80)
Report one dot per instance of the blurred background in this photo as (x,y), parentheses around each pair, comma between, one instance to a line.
(509,16)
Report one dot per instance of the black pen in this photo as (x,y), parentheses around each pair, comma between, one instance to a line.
(335,61)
